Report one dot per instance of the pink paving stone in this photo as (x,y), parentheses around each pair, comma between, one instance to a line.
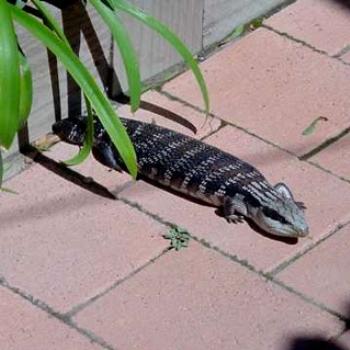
(275,88)
(24,326)
(171,114)
(323,273)
(324,24)
(336,157)
(197,299)
(64,244)
(346,57)
(344,340)
(320,192)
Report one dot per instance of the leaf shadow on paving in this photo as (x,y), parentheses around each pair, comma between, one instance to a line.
(67,173)
(319,342)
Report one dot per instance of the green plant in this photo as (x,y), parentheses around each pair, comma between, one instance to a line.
(16,77)
(178,237)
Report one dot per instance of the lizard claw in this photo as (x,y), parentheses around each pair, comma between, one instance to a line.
(235,219)
(301,205)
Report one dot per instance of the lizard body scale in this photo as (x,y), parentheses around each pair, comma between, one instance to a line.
(198,170)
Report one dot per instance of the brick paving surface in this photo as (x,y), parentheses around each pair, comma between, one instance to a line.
(283,86)
(321,270)
(24,326)
(346,56)
(323,24)
(83,264)
(335,157)
(198,299)
(344,340)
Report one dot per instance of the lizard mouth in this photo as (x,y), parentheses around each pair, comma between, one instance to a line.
(274,228)
(304,232)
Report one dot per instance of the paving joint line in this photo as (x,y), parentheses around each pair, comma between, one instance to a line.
(213,132)
(268,142)
(244,263)
(340,59)
(226,123)
(318,166)
(273,280)
(79,307)
(325,144)
(339,334)
(299,41)
(311,301)
(201,241)
(282,266)
(304,43)
(37,303)
(342,52)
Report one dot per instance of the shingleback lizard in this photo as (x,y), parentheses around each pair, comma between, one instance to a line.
(198,170)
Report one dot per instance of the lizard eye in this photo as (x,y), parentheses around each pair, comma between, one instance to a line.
(272,214)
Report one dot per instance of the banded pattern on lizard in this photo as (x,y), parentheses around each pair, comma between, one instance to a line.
(200,171)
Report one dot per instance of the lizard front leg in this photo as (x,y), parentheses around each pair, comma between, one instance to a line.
(104,154)
(234,209)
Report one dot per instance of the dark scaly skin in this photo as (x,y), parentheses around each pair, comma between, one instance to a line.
(184,163)
(199,170)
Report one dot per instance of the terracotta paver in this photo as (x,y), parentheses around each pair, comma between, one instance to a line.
(308,20)
(344,340)
(284,88)
(323,273)
(66,240)
(156,108)
(24,326)
(346,57)
(64,244)
(196,299)
(321,196)
(335,157)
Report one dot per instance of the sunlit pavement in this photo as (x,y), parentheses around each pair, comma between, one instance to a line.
(83,261)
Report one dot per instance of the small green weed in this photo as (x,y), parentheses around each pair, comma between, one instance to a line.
(179,238)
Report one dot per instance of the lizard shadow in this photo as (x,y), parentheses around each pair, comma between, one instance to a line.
(218,211)
(96,188)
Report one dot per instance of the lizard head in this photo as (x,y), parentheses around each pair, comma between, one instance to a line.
(283,217)
(71,130)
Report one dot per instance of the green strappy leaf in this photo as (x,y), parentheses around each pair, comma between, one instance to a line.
(87,83)
(9,77)
(50,20)
(26,91)
(168,35)
(126,49)
(86,149)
